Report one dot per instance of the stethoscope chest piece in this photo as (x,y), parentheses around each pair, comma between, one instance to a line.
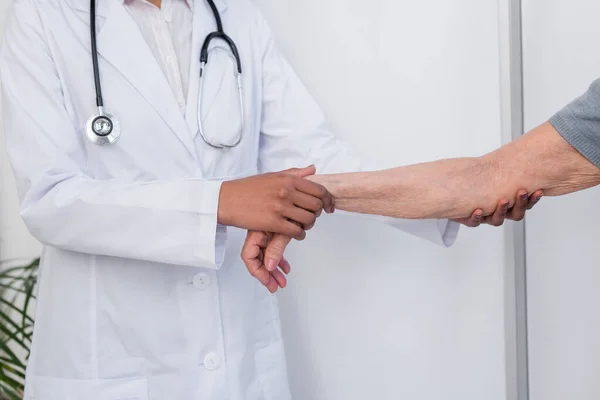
(102,129)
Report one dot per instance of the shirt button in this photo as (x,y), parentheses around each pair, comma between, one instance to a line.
(212,362)
(202,281)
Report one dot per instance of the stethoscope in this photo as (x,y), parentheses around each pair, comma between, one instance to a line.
(103,128)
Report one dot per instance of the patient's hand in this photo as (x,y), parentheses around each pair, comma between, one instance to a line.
(263,251)
(522,203)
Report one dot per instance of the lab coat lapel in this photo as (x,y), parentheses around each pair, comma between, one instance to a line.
(123,46)
(204,24)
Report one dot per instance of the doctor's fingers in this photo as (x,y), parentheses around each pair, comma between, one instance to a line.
(317,191)
(274,253)
(309,203)
(302,172)
(291,228)
(285,266)
(279,278)
(316,203)
(252,256)
(253,259)
(277,275)
(305,219)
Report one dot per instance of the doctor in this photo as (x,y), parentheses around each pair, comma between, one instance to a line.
(136,174)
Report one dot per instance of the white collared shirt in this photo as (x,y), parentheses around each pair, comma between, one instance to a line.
(168,32)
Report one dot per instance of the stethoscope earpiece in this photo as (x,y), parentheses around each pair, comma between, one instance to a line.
(102,129)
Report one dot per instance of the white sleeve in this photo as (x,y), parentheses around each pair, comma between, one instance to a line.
(171,221)
(295,133)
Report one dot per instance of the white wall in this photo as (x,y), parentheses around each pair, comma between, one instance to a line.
(372,313)
(15,241)
(561,59)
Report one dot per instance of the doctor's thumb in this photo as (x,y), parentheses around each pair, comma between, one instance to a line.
(274,251)
(302,172)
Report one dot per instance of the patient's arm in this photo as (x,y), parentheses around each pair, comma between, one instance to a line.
(453,188)
(450,188)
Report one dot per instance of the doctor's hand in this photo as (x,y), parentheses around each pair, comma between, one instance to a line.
(282,202)
(263,255)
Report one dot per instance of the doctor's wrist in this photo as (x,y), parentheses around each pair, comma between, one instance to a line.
(225,213)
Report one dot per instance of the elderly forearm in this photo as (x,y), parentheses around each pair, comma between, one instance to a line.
(430,190)
(454,188)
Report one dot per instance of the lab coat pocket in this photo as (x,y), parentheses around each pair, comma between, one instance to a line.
(46,388)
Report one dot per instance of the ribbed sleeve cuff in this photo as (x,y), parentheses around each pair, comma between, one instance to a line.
(581,142)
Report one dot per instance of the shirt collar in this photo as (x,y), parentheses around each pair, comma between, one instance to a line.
(221,4)
(190,3)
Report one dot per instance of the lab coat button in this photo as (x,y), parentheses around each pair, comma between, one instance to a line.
(211,362)
(202,281)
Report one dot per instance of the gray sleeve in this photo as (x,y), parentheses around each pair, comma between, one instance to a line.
(579,123)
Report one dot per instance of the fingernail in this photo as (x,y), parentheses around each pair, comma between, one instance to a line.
(524,197)
(539,198)
(478,217)
(271,264)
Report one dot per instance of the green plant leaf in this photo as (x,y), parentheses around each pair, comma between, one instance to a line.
(24,314)
(7,351)
(12,279)
(12,337)
(12,377)
(10,388)
(17,288)
(12,288)
(9,271)
(18,310)
(14,369)
(16,275)
(18,335)
(10,381)
(8,393)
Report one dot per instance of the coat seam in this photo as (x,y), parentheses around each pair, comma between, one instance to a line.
(93,321)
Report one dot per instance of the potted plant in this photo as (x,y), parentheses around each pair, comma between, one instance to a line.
(17,298)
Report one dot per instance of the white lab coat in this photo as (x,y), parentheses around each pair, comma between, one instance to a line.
(142,294)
